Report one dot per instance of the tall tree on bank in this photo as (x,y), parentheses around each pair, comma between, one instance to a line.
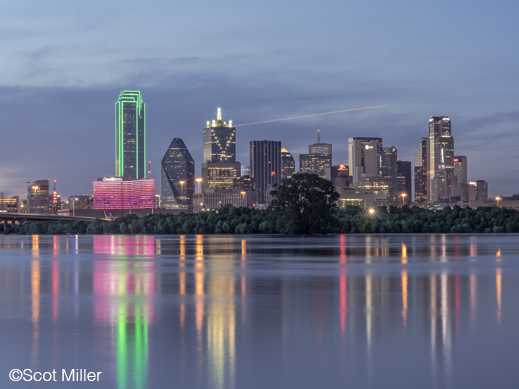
(302,204)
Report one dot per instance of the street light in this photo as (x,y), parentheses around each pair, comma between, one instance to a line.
(403,197)
(198,181)
(498,199)
(371,211)
(182,186)
(73,206)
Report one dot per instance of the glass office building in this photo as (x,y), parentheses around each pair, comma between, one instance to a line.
(177,176)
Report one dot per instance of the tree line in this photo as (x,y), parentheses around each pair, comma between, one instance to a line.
(304,204)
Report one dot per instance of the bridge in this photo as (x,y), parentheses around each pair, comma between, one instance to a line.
(11,218)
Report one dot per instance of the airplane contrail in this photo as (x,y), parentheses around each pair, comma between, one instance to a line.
(307,116)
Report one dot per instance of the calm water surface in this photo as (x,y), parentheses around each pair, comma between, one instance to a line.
(356,311)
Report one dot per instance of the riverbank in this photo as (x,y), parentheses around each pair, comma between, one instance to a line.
(232,220)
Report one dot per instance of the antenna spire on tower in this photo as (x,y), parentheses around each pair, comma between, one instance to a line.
(318,136)
(219,114)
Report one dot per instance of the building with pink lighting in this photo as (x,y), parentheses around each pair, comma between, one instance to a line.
(122,193)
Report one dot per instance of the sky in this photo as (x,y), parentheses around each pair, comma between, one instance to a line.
(63,65)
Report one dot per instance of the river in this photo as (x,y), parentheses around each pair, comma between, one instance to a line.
(260,312)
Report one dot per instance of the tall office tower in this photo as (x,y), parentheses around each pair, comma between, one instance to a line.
(219,141)
(177,176)
(38,197)
(420,172)
(390,171)
(481,190)
(460,174)
(220,169)
(318,159)
(365,157)
(130,136)
(440,153)
(265,166)
(288,162)
(404,180)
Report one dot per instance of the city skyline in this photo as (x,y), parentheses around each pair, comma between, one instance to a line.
(64,63)
(128,94)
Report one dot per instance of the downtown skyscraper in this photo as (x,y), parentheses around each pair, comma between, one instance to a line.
(130,136)
(288,162)
(177,176)
(365,157)
(265,166)
(220,169)
(441,183)
(420,172)
(219,141)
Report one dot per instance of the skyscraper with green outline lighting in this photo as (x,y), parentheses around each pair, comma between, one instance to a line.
(130,136)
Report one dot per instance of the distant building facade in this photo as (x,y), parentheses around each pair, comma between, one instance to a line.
(10,204)
(332,172)
(214,199)
(390,171)
(78,202)
(314,164)
(374,185)
(365,200)
(38,197)
(404,175)
(481,190)
(460,175)
(220,175)
(318,159)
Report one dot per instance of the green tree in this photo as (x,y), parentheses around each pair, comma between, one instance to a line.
(303,205)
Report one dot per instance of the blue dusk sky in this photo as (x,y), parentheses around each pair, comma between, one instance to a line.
(64,63)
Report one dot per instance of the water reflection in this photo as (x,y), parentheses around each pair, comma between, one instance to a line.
(124,291)
(343,293)
(221,320)
(35,300)
(239,311)
(243,279)
(498,293)
(199,302)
